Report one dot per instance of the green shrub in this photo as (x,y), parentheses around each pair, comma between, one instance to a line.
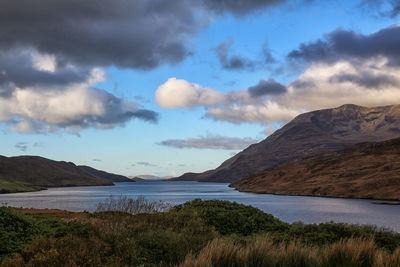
(233,218)
(69,250)
(152,239)
(17,229)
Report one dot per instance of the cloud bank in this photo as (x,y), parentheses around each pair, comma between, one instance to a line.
(352,46)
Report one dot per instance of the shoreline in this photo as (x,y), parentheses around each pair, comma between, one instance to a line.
(48,187)
(378,201)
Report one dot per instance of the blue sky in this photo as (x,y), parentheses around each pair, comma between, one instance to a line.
(181,131)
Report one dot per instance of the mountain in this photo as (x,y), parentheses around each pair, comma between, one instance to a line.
(104,175)
(30,173)
(366,170)
(308,133)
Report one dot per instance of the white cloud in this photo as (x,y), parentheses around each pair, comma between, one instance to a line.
(44,62)
(325,90)
(182,94)
(73,107)
(262,113)
(371,82)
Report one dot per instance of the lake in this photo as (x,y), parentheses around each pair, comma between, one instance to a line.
(286,208)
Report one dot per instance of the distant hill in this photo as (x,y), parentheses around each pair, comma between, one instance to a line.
(104,175)
(366,170)
(30,173)
(308,133)
(148,177)
(135,178)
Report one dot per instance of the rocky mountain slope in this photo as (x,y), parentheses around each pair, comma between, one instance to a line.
(29,173)
(308,133)
(366,170)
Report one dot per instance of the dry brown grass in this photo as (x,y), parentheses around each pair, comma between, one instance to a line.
(265,253)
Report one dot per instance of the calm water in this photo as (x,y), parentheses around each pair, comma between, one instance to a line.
(287,208)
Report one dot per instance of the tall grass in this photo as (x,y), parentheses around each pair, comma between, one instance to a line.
(353,252)
(132,206)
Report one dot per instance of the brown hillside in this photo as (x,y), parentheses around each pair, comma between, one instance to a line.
(367,170)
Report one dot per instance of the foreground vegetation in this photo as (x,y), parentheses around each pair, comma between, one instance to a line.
(126,232)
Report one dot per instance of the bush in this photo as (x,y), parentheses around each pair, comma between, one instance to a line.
(69,250)
(156,239)
(233,218)
(17,229)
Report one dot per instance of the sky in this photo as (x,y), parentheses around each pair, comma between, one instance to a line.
(167,87)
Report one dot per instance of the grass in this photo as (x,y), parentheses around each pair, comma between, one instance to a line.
(264,252)
(13,187)
(129,232)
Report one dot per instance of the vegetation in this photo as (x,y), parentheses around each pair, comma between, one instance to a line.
(17,229)
(127,232)
(13,187)
(265,253)
(132,206)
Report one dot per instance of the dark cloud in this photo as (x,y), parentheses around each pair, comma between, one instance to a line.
(270,87)
(366,79)
(231,61)
(146,115)
(128,34)
(267,55)
(385,8)
(239,7)
(17,67)
(302,84)
(210,142)
(349,45)
(23,146)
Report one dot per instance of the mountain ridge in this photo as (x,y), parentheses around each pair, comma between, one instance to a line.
(308,133)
